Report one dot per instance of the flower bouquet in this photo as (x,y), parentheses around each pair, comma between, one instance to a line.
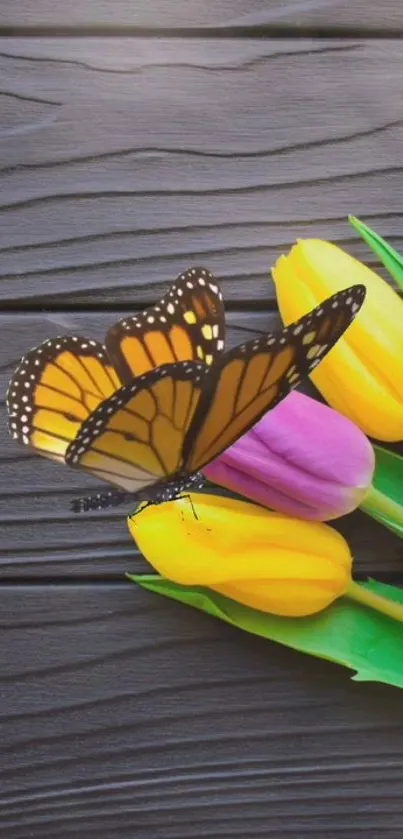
(274,568)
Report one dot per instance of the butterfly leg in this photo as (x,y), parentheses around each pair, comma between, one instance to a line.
(189,498)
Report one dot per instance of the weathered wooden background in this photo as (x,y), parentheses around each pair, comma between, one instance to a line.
(137,138)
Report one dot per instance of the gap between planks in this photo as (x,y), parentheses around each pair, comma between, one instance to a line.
(259,32)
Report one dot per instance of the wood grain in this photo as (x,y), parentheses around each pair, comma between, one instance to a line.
(122,161)
(236,15)
(125,160)
(126,715)
(39,536)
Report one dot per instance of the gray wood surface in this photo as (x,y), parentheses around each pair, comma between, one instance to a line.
(239,15)
(123,161)
(124,715)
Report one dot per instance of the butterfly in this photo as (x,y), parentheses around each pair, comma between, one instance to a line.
(161,399)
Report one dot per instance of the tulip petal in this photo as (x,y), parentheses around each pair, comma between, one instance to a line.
(302,458)
(318,439)
(263,493)
(362,376)
(272,561)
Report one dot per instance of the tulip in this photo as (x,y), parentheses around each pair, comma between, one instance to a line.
(362,376)
(303,459)
(262,559)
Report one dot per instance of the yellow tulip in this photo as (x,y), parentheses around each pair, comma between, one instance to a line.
(265,560)
(362,376)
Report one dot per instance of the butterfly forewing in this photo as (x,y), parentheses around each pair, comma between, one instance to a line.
(135,438)
(257,375)
(54,389)
(186,325)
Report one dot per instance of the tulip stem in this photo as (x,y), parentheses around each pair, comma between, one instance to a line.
(377,504)
(375,601)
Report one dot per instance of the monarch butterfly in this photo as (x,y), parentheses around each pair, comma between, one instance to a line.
(143,413)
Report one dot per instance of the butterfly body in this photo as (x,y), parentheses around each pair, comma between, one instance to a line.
(161,491)
(147,412)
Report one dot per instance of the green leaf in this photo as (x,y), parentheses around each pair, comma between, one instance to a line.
(384,501)
(390,258)
(346,633)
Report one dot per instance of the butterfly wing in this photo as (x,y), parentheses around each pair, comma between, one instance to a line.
(135,437)
(54,389)
(187,325)
(257,375)
(181,416)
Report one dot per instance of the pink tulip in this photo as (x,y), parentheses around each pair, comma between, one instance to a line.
(302,458)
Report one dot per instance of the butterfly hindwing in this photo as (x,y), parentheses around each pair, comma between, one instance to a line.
(186,325)
(54,389)
(255,376)
(135,437)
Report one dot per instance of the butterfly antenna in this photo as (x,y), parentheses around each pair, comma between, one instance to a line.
(101,501)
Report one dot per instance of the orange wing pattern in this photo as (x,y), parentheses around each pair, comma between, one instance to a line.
(55,387)
(168,423)
(188,324)
(135,438)
(172,421)
(254,377)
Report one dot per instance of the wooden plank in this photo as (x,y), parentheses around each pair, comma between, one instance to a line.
(39,536)
(125,715)
(241,15)
(123,161)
